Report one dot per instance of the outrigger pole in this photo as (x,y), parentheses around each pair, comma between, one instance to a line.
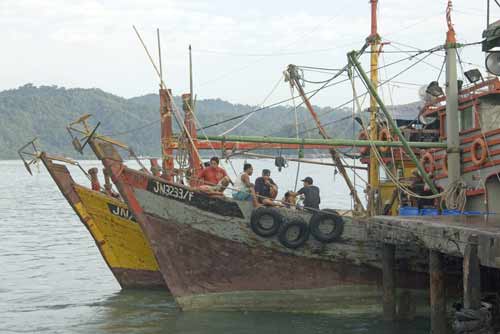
(294,81)
(326,143)
(373,92)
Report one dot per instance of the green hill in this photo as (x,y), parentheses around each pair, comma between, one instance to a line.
(44,112)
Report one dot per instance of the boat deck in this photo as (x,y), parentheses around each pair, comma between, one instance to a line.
(445,234)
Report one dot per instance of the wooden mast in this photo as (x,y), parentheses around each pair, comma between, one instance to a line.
(189,121)
(167,138)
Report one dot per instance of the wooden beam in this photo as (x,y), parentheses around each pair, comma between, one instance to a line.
(437,293)
(389,282)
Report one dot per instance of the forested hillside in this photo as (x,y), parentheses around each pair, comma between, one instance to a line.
(44,112)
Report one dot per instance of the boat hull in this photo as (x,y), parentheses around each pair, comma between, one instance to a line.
(209,272)
(114,230)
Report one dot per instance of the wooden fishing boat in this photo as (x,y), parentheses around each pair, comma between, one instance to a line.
(114,229)
(215,256)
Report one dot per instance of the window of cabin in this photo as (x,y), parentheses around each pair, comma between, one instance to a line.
(466,118)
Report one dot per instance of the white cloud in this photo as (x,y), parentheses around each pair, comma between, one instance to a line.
(91,43)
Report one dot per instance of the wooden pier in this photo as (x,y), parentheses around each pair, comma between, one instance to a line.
(475,239)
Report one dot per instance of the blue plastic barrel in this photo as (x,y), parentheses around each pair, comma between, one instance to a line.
(453,212)
(408,211)
(429,212)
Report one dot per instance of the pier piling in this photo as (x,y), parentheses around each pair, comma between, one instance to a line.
(472,279)
(389,282)
(437,293)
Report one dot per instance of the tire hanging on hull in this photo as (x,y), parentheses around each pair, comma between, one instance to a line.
(326,217)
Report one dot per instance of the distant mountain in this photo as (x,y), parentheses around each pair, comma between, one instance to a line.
(45,111)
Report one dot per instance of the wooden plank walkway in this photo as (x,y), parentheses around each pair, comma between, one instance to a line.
(445,234)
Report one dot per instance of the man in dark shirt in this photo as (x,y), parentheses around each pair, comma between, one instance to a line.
(265,189)
(311,194)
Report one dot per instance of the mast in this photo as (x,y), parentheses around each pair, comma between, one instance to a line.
(194,158)
(191,79)
(374,40)
(167,138)
(452,114)
(294,80)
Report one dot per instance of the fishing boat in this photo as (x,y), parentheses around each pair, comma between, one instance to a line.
(112,226)
(219,253)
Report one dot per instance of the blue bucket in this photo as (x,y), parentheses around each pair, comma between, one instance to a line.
(472,213)
(408,211)
(429,212)
(453,212)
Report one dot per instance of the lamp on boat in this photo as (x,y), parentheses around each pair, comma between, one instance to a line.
(473,75)
(493,62)
(434,89)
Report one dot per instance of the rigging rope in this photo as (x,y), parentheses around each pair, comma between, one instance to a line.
(253,112)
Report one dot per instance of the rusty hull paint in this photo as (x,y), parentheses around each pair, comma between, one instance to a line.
(126,277)
(204,270)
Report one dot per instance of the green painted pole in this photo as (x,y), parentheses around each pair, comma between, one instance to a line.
(326,142)
(373,92)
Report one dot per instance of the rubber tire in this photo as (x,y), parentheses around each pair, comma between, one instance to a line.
(257,227)
(303,234)
(315,223)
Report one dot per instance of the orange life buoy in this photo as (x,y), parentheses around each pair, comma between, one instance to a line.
(384,135)
(478,161)
(364,149)
(427,162)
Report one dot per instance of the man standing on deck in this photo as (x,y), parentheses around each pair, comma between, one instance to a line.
(311,194)
(215,178)
(265,189)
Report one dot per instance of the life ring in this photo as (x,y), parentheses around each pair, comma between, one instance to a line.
(294,233)
(427,162)
(364,149)
(384,135)
(266,221)
(326,225)
(478,161)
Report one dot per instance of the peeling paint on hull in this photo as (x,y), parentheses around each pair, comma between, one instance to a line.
(119,239)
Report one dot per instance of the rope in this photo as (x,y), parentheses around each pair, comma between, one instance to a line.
(296,134)
(253,112)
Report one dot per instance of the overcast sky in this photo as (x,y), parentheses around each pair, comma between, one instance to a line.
(240,48)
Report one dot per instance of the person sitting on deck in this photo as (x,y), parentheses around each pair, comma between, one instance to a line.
(310,193)
(290,200)
(265,189)
(215,178)
(243,188)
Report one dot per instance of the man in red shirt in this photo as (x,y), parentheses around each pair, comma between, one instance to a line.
(215,178)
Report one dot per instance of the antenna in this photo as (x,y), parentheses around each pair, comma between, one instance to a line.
(190,78)
(159,53)
(487,13)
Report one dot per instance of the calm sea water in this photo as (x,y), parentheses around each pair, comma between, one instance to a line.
(53,279)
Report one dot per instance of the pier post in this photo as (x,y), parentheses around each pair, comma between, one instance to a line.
(389,282)
(437,293)
(472,276)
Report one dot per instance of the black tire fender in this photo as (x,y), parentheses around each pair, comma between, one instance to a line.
(330,216)
(302,236)
(266,213)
